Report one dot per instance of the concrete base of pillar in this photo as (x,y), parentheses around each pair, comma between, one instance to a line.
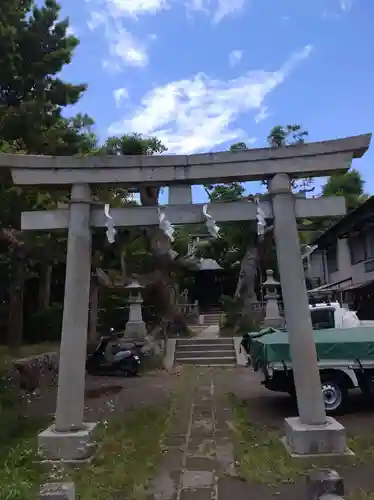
(303,440)
(136,329)
(67,446)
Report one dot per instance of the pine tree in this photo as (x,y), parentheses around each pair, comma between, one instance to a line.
(34,47)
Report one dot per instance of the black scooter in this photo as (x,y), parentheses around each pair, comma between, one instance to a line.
(125,361)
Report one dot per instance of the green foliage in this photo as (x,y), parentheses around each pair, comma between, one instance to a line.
(350,185)
(134,144)
(281,136)
(235,235)
(43,326)
(238,146)
(286,135)
(34,47)
(232,191)
(231,307)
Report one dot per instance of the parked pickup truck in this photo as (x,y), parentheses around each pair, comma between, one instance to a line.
(333,315)
(345,360)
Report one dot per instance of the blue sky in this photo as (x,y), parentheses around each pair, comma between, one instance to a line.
(202,74)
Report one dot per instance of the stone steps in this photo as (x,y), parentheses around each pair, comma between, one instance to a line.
(229,361)
(201,347)
(205,330)
(211,319)
(205,351)
(219,341)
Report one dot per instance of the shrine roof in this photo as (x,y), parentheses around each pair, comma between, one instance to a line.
(356,220)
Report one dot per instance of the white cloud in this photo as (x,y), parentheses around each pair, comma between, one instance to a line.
(120,95)
(131,51)
(262,114)
(346,5)
(113,16)
(235,57)
(338,9)
(218,9)
(225,8)
(199,113)
(124,48)
(130,8)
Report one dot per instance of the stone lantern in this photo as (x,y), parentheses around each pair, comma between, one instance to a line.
(272,314)
(135,327)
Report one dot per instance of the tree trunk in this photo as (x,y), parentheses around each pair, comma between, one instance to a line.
(45,283)
(245,289)
(160,247)
(15,324)
(252,265)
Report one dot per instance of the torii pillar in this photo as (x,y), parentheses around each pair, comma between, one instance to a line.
(312,432)
(69,438)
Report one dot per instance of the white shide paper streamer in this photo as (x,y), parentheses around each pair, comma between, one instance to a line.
(210,223)
(110,229)
(165,225)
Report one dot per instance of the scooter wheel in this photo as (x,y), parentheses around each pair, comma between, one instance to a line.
(130,373)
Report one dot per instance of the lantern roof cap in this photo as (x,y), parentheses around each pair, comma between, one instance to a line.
(270,279)
(134,285)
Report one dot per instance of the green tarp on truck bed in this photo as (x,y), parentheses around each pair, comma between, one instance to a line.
(333,344)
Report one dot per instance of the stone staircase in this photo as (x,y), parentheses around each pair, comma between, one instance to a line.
(205,351)
(209,325)
(211,318)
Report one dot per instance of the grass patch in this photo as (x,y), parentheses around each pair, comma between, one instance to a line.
(130,449)
(129,452)
(361,495)
(19,475)
(263,459)
(261,456)
(363,447)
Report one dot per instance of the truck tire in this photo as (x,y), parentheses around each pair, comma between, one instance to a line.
(335,393)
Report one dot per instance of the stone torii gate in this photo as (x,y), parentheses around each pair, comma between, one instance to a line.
(69,437)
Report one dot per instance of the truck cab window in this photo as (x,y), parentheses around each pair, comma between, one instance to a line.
(322,318)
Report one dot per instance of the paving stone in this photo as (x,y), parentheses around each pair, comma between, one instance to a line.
(198,494)
(197,479)
(202,448)
(200,463)
(200,435)
(196,466)
(179,427)
(164,486)
(223,430)
(175,440)
(202,405)
(204,393)
(225,457)
(172,459)
(202,423)
(201,413)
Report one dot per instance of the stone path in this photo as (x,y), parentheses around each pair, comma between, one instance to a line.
(198,450)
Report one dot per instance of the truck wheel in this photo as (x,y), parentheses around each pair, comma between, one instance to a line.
(335,394)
